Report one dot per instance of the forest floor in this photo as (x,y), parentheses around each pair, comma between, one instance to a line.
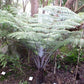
(64,76)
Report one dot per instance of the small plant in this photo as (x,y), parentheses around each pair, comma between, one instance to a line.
(25,82)
(7,56)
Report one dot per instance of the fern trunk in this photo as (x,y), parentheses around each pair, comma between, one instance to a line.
(40,76)
(34,7)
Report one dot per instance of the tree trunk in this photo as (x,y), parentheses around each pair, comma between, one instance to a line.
(17,3)
(76,5)
(23,5)
(34,7)
(77,11)
(8,2)
(56,2)
(60,2)
(69,4)
(0,3)
(45,3)
(25,2)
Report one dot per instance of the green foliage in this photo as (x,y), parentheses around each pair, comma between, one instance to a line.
(46,29)
(53,28)
(9,55)
(64,49)
(14,60)
(3,60)
(81,14)
(12,10)
(49,1)
(71,56)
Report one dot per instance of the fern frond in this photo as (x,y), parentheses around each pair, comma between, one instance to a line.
(44,29)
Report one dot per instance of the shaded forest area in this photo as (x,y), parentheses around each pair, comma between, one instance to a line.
(41,41)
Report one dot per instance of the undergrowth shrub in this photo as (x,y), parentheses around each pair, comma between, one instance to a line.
(70,56)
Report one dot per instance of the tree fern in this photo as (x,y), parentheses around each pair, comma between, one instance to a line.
(49,30)
(48,27)
(43,27)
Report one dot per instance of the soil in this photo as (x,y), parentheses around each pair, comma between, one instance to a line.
(62,76)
